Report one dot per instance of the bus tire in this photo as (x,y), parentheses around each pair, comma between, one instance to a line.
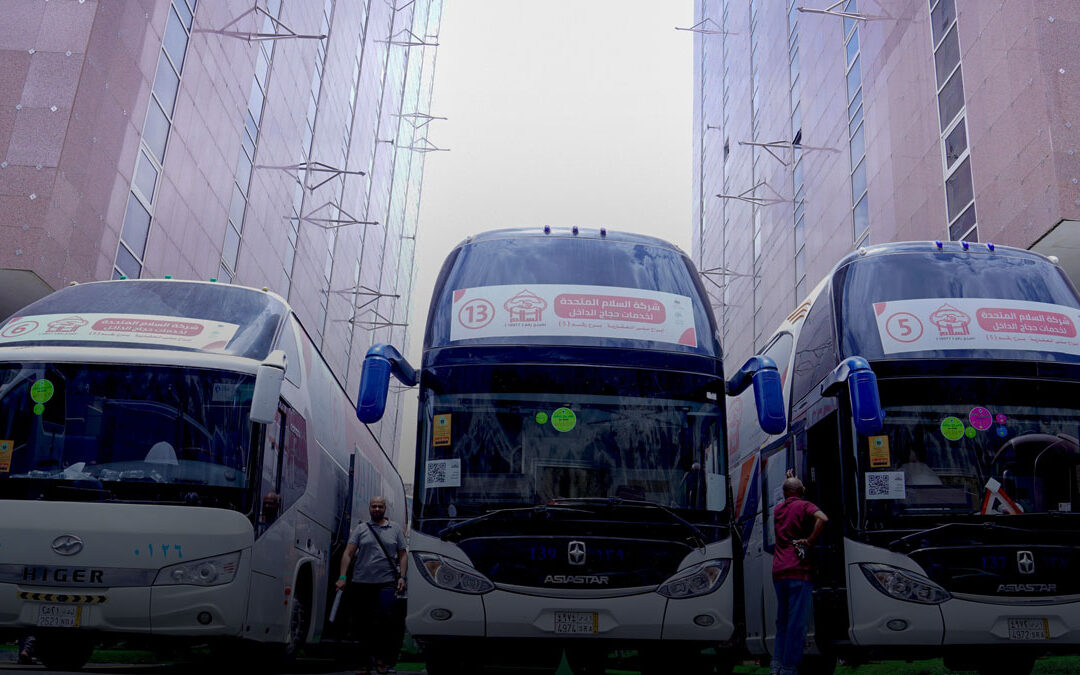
(63,652)
(299,623)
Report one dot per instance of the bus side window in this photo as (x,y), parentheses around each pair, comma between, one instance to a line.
(294,464)
(287,343)
(269,504)
(815,354)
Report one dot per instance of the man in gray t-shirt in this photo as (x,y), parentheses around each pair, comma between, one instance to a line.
(379,574)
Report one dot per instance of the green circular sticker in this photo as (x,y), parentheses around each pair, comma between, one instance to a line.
(42,390)
(952,428)
(39,408)
(541,418)
(970,432)
(563,419)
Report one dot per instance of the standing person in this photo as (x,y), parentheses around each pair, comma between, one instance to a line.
(798,525)
(376,580)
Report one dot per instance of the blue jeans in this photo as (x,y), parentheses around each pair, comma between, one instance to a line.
(794,599)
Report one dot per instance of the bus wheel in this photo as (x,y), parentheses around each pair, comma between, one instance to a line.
(587,659)
(299,621)
(63,652)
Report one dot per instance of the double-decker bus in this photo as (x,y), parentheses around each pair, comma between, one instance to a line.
(571,488)
(176,463)
(934,393)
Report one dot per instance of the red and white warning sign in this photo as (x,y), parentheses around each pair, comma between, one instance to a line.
(976,323)
(996,501)
(572,310)
(140,328)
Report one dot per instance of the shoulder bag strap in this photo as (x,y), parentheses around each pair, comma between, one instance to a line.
(382,547)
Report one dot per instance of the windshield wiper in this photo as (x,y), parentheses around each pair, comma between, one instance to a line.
(453,527)
(617,502)
(913,540)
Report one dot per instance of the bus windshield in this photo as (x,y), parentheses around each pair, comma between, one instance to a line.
(979,446)
(483,451)
(957,281)
(124,433)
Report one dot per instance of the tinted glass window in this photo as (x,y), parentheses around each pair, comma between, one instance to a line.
(815,354)
(570,261)
(919,275)
(257,315)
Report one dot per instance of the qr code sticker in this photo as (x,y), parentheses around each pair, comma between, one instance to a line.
(877,484)
(436,472)
(885,485)
(440,473)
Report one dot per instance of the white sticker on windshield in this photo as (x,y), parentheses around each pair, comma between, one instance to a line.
(976,323)
(571,311)
(143,328)
(440,473)
(715,491)
(885,485)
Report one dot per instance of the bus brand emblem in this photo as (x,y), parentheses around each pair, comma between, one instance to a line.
(1025,562)
(67,544)
(576,553)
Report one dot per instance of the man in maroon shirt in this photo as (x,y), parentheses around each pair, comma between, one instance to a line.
(798,525)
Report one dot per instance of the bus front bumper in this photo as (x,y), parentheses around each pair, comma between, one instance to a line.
(435,612)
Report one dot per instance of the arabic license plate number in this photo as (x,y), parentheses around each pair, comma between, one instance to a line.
(575,623)
(59,616)
(1028,629)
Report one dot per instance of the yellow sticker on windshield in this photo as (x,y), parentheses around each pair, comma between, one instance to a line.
(6,448)
(441,430)
(879,452)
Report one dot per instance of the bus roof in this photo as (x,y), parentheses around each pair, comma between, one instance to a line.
(569,232)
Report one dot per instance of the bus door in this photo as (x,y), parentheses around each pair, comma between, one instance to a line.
(776,459)
(819,463)
(283,475)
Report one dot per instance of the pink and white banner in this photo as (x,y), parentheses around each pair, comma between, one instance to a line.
(141,328)
(976,323)
(530,310)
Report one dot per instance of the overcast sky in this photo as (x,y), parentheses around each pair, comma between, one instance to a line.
(560,112)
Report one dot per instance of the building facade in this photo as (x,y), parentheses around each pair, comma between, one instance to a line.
(822,126)
(275,143)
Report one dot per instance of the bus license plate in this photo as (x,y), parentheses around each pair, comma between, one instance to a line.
(1029,629)
(575,623)
(59,616)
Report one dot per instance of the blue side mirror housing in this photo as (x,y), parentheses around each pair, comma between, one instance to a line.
(861,382)
(761,371)
(865,402)
(769,399)
(380,363)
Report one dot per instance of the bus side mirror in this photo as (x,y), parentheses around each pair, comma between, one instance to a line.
(264,400)
(382,360)
(761,371)
(861,382)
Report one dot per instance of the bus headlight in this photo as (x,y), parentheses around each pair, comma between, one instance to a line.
(697,580)
(904,585)
(203,572)
(451,576)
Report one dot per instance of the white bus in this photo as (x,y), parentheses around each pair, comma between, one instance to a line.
(571,492)
(177,462)
(933,394)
